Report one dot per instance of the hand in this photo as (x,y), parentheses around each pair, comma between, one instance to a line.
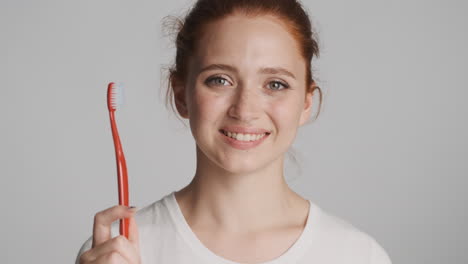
(107,250)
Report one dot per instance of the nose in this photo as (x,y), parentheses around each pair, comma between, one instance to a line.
(245,105)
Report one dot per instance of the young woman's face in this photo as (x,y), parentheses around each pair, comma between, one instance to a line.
(246,75)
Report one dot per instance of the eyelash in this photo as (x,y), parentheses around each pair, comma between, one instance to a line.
(286,86)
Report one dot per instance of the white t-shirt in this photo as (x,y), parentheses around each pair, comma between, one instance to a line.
(166,238)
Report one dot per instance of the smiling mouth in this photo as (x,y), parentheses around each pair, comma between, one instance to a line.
(244,137)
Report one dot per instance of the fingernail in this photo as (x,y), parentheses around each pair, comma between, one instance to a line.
(131,208)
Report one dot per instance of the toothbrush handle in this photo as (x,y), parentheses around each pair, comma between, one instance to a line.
(122,178)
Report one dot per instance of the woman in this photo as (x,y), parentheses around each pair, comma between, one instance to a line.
(242,78)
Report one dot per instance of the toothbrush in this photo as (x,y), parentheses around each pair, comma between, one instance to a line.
(115,100)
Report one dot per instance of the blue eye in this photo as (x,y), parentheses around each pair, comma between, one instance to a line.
(280,83)
(215,78)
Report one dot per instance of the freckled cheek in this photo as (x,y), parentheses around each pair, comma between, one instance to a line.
(208,107)
(284,115)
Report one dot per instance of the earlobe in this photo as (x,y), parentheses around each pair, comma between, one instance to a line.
(307,106)
(179,98)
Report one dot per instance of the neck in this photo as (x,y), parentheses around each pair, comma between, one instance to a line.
(239,202)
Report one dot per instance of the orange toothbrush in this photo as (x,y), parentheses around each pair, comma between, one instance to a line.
(114,100)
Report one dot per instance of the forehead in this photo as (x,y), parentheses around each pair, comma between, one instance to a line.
(249,43)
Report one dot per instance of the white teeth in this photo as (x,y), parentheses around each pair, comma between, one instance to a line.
(244,137)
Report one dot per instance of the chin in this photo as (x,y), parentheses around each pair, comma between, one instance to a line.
(242,166)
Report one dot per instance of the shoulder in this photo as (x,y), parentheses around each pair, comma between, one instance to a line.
(355,244)
(153,220)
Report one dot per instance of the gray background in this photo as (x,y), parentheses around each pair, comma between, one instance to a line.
(388,153)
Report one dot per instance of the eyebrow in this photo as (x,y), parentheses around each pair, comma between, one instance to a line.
(264,70)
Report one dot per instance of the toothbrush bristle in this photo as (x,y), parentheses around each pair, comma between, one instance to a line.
(115,95)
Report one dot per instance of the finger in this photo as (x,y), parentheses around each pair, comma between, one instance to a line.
(103,221)
(118,244)
(113,257)
(133,235)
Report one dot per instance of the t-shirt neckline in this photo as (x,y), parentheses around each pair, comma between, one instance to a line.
(292,255)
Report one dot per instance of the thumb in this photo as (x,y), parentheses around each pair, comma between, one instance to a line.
(133,235)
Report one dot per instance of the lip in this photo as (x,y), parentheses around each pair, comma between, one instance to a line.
(245,130)
(243,145)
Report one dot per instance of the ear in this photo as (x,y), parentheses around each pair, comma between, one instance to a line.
(305,115)
(178,88)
